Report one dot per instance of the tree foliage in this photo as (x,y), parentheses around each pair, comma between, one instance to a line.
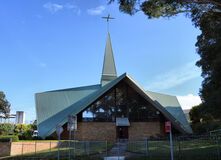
(6,128)
(24,131)
(209,49)
(4,105)
(198,114)
(206,15)
(202,121)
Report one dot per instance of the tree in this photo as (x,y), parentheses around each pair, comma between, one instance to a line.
(198,114)
(209,49)
(4,105)
(203,121)
(206,15)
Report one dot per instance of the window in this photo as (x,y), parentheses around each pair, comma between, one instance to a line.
(121,101)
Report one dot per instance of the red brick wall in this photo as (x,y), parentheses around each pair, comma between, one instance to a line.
(4,149)
(18,148)
(141,130)
(93,131)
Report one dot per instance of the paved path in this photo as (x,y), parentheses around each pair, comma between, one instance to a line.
(115,158)
(119,149)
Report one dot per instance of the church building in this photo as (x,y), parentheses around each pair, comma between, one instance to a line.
(116,108)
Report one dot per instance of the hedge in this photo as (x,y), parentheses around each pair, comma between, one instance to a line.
(6,128)
(13,138)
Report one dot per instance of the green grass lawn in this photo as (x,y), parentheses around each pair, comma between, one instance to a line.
(194,149)
(184,150)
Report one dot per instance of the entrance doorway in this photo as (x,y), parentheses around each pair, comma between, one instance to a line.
(122,132)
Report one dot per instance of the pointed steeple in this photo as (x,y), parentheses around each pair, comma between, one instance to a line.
(109,71)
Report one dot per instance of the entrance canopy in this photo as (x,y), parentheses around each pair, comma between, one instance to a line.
(123,122)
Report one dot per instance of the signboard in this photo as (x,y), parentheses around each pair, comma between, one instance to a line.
(72,123)
(168,130)
(167,126)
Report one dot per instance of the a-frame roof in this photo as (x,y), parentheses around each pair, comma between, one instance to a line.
(61,103)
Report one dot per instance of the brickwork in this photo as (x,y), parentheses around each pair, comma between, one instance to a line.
(4,149)
(93,131)
(18,148)
(141,130)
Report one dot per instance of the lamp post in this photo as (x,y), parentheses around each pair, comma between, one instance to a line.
(72,125)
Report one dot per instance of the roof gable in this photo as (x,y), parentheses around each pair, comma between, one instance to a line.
(171,104)
(51,103)
(47,126)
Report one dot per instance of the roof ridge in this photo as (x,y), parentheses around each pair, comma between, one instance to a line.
(74,88)
(160,93)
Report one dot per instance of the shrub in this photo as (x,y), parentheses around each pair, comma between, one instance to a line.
(13,138)
(24,131)
(200,128)
(37,138)
(50,138)
(6,128)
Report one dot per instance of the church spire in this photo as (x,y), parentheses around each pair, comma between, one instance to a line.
(109,71)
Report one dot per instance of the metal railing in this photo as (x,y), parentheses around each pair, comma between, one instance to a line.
(58,150)
(204,147)
(185,148)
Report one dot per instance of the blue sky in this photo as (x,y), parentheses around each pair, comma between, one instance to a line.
(47,45)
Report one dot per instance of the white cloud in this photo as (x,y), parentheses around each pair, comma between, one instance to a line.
(72,7)
(174,77)
(188,101)
(53,7)
(96,11)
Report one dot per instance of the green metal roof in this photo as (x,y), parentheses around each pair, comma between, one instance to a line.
(49,104)
(172,105)
(47,126)
(53,107)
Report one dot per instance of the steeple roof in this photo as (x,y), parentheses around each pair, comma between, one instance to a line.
(109,71)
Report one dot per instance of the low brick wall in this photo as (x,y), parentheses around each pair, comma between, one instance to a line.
(19,148)
(5,149)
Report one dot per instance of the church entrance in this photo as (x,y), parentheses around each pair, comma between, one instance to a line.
(122,132)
